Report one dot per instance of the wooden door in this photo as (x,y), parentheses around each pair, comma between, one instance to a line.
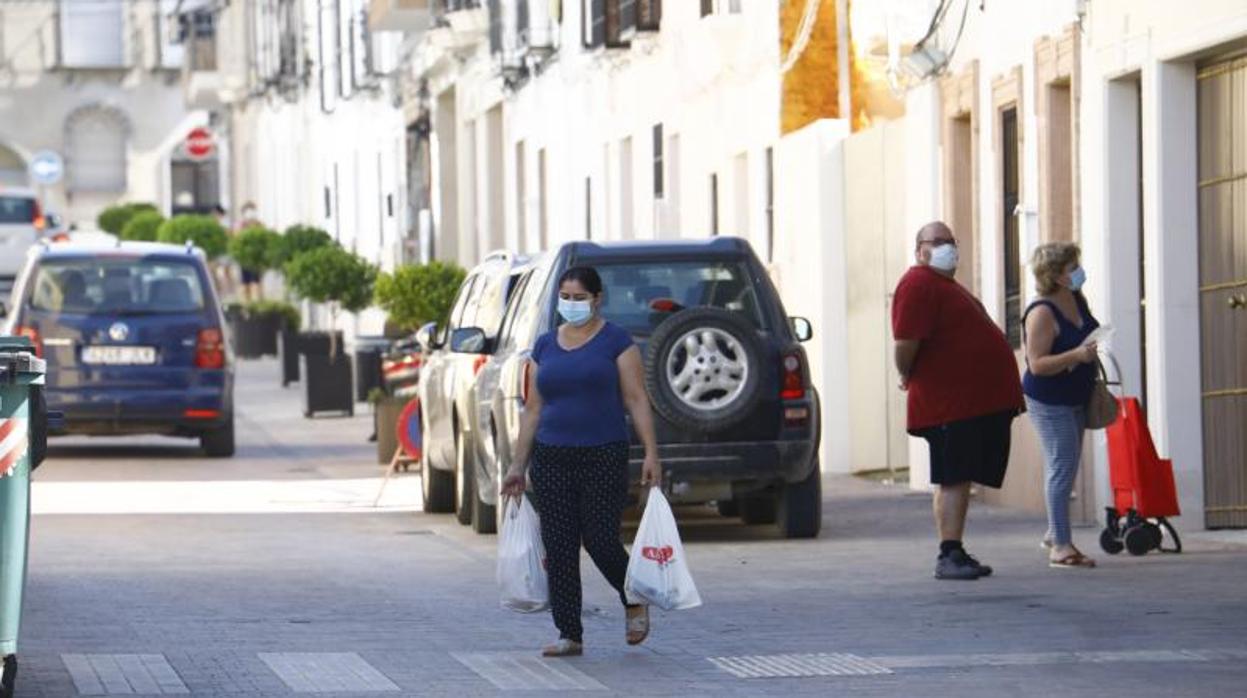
(1222,94)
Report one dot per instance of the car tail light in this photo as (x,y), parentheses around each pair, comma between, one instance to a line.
(793,383)
(210,349)
(33,335)
(37,216)
(526,376)
(201,414)
(478,363)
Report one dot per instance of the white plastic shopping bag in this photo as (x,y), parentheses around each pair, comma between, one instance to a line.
(657,569)
(522,559)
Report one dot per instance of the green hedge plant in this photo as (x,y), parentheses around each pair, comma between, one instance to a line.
(299,239)
(417,294)
(287,312)
(333,276)
(143,226)
(258,249)
(202,231)
(114,218)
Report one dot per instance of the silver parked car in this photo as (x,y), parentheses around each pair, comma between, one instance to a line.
(449,426)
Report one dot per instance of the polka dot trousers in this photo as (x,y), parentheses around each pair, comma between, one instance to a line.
(580,493)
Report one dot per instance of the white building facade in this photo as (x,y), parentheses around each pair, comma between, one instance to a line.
(309,107)
(94,85)
(1120,126)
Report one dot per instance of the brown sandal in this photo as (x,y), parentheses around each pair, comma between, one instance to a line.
(563,648)
(637,625)
(1073,560)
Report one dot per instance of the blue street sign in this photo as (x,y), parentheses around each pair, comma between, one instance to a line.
(47,167)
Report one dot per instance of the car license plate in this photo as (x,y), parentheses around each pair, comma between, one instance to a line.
(119,356)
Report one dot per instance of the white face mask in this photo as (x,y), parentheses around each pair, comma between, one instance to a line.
(944,257)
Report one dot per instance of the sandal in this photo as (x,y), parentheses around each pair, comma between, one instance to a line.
(637,625)
(563,648)
(1074,559)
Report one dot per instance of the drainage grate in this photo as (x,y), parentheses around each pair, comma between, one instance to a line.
(123,674)
(326,672)
(521,671)
(797,665)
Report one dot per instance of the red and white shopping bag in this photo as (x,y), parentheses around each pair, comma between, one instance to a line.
(657,569)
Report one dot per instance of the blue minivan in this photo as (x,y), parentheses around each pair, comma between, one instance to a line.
(133,335)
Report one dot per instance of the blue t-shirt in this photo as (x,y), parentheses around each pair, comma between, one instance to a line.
(582,403)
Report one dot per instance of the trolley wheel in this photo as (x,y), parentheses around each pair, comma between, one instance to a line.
(1157,535)
(1110,543)
(8,679)
(1139,540)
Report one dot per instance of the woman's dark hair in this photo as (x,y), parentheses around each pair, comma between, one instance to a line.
(585,276)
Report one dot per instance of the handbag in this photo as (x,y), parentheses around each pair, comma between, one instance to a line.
(1101,406)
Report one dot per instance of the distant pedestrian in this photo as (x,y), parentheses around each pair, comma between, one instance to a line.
(586,376)
(964,392)
(1060,375)
(250,279)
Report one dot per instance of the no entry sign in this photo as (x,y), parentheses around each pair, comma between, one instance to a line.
(200,143)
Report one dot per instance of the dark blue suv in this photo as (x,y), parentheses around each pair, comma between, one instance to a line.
(133,338)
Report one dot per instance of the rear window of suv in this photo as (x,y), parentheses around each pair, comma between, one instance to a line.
(17,209)
(632,288)
(117,286)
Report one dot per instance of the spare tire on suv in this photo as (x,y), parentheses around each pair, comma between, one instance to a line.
(703,369)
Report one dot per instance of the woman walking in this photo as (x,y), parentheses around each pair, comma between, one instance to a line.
(1060,376)
(586,375)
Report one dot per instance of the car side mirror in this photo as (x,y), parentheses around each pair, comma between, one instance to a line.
(468,340)
(802,328)
(425,335)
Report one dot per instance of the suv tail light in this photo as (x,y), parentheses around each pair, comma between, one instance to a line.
(33,335)
(210,349)
(37,216)
(793,378)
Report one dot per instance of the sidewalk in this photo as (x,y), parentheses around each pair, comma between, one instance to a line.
(405,603)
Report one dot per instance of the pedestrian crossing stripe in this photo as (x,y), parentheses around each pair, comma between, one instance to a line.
(13,444)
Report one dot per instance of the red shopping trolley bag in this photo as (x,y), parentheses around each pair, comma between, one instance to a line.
(1144,494)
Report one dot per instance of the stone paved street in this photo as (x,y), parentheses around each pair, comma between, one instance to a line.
(272,574)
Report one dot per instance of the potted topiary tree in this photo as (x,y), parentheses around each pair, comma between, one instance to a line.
(114,218)
(343,281)
(203,232)
(298,240)
(411,296)
(142,226)
(256,328)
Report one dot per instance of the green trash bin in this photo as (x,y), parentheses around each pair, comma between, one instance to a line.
(23,442)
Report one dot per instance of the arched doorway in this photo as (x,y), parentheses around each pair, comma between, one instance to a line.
(13,170)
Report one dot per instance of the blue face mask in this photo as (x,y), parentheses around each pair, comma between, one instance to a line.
(1077,278)
(576,313)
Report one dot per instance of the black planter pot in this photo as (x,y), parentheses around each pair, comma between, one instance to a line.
(367,371)
(255,336)
(295,344)
(327,384)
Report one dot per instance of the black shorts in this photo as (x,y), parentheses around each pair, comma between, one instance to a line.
(970,450)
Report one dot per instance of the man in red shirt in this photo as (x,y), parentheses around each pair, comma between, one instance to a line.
(963,385)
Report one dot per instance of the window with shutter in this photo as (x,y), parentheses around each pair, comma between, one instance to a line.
(648,15)
(495,26)
(659,188)
(593,16)
(169,44)
(707,8)
(95,150)
(92,34)
(621,18)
